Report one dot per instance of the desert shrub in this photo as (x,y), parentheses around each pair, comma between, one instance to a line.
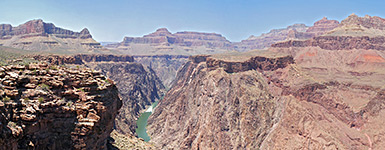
(40,99)
(6,99)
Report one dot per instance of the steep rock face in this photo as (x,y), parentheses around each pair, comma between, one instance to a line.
(165,66)
(37,35)
(47,107)
(326,100)
(210,108)
(139,87)
(254,63)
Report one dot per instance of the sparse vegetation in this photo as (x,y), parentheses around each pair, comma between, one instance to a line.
(81,89)
(40,99)
(12,124)
(26,100)
(107,81)
(70,103)
(6,99)
(44,86)
(54,67)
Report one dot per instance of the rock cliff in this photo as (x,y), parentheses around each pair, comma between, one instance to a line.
(165,66)
(36,35)
(213,106)
(313,99)
(51,107)
(138,87)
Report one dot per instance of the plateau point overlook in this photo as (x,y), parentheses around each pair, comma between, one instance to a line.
(317,85)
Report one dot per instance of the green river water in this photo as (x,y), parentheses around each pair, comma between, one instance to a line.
(142,123)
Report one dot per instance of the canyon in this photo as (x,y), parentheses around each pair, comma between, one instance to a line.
(287,97)
(317,87)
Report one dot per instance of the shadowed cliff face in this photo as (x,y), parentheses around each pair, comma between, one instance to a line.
(57,108)
(138,86)
(165,66)
(210,108)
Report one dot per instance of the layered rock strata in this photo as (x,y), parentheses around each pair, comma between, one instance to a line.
(51,107)
(36,35)
(211,107)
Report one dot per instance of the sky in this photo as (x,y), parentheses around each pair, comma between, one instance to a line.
(111,20)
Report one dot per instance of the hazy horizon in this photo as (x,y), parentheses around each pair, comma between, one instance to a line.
(235,20)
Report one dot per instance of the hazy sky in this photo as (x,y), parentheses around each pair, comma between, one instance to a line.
(111,20)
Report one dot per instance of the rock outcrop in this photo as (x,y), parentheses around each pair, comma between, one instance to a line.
(254,63)
(51,107)
(82,58)
(322,26)
(36,35)
(327,99)
(138,86)
(211,107)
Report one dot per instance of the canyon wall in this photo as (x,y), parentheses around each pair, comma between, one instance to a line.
(211,107)
(45,107)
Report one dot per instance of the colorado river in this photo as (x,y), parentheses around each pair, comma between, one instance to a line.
(142,122)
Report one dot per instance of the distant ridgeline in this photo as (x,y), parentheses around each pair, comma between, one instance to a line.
(36,35)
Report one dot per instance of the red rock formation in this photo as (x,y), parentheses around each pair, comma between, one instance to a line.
(322,26)
(37,35)
(224,113)
(353,33)
(367,21)
(50,107)
(38,27)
